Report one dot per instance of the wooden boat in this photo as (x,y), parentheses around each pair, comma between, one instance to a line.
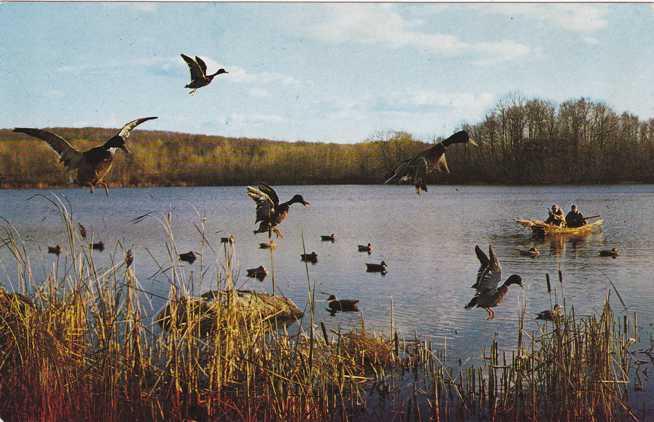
(540,227)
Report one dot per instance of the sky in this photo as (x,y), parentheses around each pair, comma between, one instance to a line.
(315,72)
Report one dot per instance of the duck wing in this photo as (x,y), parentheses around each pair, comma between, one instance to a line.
(490,271)
(441,165)
(202,64)
(67,153)
(194,67)
(265,204)
(129,127)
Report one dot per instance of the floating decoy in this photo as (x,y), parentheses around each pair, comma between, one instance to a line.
(343,305)
(376,268)
(366,248)
(488,277)
(230,239)
(55,250)
(268,245)
(198,69)
(328,238)
(129,258)
(259,273)
(415,169)
(82,230)
(97,246)
(188,257)
(269,211)
(612,253)
(93,165)
(532,252)
(551,314)
(309,257)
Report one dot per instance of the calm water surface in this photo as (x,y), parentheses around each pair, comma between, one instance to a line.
(427,241)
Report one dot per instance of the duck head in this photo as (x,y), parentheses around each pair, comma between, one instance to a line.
(331,298)
(116,142)
(514,279)
(461,137)
(298,199)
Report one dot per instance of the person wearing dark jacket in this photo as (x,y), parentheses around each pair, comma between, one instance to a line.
(555,216)
(575,218)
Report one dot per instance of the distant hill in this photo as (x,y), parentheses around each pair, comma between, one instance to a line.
(523,141)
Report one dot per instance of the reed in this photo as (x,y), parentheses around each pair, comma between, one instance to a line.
(81,346)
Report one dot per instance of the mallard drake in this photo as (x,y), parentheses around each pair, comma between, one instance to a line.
(551,314)
(376,268)
(532,252)
(269,211)
(55,250)
(613,252)
(189,257)
(229,239)
(309,257)
(97,246)
(415,169)
(488,277)
(198,69)
(259,273)
(343,305)
(328,238)
(93,165)
(366,248)
(268,245)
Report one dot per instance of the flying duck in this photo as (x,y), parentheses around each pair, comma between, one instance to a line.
(376,268)
(269,211)
(93,165)
(550,314)
(198,69)
(343,305)
(488,277)
(415,169)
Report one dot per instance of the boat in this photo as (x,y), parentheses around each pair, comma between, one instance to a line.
(541,228)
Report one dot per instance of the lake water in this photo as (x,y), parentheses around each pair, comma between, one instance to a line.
(427,241)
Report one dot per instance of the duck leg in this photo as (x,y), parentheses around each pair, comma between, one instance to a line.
(106,188)
(491,314)
(277,232)
(192,92)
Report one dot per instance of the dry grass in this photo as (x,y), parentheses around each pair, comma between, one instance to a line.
(78,347)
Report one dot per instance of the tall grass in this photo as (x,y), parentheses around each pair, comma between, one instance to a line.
(79,346)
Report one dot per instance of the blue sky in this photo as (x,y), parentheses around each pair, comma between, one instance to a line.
(317,72)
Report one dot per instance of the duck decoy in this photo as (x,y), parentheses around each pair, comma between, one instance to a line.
(55,250)
(309,257)
(613,252)
(93,165)
(376,268)
(366,248)
(343,305)
(189,257)
(129,258)
(259,273)
(532,252)
(328,238)
(82,230)
(489,276)
(550,314)
(415,169)
(269,211)
(97,246)
(268,245)
(199,77)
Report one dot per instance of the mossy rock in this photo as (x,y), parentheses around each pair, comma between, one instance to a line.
(215,306)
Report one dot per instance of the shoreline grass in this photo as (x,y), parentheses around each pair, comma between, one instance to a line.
(79,346)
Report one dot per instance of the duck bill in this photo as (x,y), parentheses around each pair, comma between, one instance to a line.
(306,204)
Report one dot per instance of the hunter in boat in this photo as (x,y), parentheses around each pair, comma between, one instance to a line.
(574,223)
(555,216)
(575,218)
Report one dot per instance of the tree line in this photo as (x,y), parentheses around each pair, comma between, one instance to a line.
(522,141)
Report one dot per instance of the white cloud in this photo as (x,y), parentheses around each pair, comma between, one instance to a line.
(252,119)
(570,17)
(382,24)
(258,92)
